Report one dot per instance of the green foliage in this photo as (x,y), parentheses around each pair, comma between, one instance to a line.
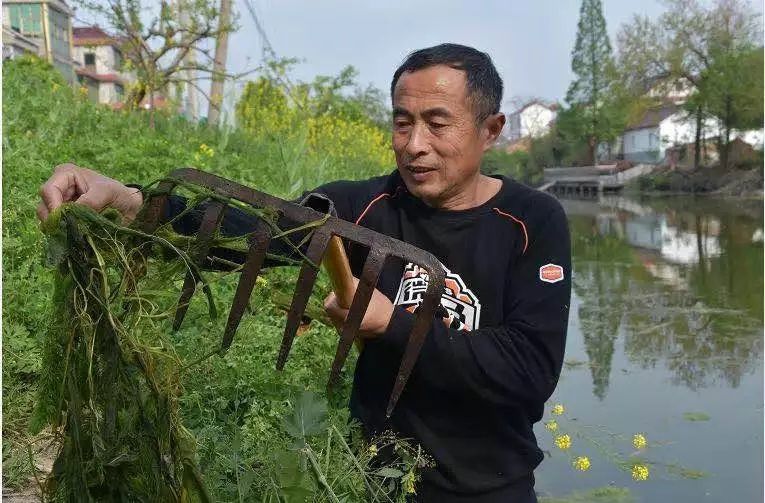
(731,88)
(716,48)
(546,151)
(235,405)
(497,161)
(596,113)
(307,419)
(341,130)
(591,56)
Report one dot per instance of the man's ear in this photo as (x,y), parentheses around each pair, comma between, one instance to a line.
(492,126)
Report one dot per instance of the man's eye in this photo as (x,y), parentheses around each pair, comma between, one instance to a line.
(401,125)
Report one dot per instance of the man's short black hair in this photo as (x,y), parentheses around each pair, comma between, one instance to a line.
(484,85)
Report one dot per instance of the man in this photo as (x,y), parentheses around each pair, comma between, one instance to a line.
(483,376)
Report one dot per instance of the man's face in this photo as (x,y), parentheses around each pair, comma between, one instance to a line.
(437,144)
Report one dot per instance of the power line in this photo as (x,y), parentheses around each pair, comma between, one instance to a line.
(267,48)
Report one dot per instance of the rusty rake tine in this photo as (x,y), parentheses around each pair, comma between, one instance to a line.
(210,221)
(252,265)
(369,275)
(150,216)
(422,324)
(305,283)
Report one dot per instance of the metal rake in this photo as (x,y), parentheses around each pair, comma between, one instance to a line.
(325,246)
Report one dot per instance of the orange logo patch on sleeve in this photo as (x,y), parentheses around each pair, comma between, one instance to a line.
(551,273)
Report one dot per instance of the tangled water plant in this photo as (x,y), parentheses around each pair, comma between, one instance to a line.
(111,383)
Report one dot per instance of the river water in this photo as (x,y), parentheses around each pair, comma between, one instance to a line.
(665,339)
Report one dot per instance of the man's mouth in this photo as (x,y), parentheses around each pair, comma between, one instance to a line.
(419,169)
(421,173)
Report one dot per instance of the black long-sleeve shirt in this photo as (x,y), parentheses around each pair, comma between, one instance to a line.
(481,383)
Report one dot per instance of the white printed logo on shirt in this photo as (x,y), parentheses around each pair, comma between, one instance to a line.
(459,301)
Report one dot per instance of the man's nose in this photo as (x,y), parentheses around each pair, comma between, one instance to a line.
(418,141)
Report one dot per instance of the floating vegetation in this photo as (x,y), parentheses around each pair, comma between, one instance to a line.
(598,495)
(571,438)
(687,473)
(695,416)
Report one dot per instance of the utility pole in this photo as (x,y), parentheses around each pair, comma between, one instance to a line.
(219,65)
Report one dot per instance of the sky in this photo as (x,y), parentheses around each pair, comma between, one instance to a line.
(530,42)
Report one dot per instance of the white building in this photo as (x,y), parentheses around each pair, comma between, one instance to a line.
(667,126)
(532,120)
(648,139)
(100,60)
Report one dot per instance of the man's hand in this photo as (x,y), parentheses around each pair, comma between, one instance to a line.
(376,319)
(85,186)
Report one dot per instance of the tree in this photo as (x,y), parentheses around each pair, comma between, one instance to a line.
(708,48)
(339,95)
(730,87)
(591,92)
(156,46)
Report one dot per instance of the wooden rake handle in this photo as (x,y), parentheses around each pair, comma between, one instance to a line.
(339,269)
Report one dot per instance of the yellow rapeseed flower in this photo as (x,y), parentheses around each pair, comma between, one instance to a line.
(206,150)
(558,409)
(639,472)
(582,463)
(551,425)
(639,441)
(563,442)
(407,483)
(373,450)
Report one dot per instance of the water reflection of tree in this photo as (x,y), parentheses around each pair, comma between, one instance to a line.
(705,327)
(600,281)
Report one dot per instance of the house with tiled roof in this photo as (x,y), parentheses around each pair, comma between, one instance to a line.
(647,138)
(100,64)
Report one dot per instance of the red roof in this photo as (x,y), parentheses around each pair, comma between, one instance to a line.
(91,35)
(101,77)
